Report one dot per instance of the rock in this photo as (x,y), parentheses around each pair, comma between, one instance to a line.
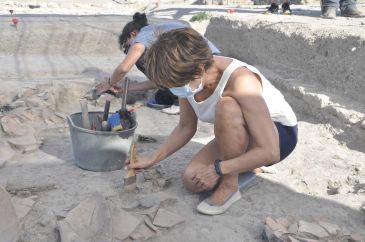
(161,182)
(9,231)
(6,152)
(22,206)
(333,187)
(129,204)
(166,219)
(123,224)
(312,229)
(148,201)
(89,221)
(332,229)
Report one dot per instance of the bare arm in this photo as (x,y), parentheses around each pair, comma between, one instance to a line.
(245,87)
(182,133)
(136,86)
(134,53)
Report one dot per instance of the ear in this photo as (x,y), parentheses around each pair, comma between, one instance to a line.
(133,34)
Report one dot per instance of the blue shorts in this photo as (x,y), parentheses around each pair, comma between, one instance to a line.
(288,138)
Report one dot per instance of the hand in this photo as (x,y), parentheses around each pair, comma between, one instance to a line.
(103,86)
(142,162)
(117,89)
(206,177)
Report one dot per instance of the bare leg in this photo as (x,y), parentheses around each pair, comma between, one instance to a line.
(203,158)
(232,139)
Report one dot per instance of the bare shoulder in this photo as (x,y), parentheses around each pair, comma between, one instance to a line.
(243,82)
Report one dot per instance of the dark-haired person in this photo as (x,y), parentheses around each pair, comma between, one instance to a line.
(254,126)
(134,40)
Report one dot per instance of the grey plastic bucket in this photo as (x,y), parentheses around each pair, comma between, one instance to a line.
(99,150)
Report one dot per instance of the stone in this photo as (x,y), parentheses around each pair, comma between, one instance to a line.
(22,206)
(9,230)
(332,229)
(6,153)
(89,221)
(148,201)
(123,223)
(166,219)
(333,187)
(312,229)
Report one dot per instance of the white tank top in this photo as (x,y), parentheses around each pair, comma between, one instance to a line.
(280,110)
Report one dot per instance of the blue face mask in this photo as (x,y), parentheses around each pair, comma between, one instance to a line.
(186,90)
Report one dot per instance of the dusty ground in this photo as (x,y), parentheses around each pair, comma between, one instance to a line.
(51,60)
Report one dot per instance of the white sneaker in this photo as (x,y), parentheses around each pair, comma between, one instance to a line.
(206,208)
(172,110)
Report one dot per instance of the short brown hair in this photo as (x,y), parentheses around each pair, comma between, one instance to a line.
(176,57)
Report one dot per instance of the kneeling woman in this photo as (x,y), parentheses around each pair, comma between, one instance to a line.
(253,124)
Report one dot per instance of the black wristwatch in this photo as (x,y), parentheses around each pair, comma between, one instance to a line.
(217,167)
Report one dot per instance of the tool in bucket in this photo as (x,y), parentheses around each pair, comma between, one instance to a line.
(104,121)
(122,118)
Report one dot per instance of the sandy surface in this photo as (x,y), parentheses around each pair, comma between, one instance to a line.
(58,52)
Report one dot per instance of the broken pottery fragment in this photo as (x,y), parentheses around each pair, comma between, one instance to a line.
(89,221)
(142,232)
(274,226)
(9,231)
(13,126)
(305,231)
(332,229)
(22,206)
(149,223)
(6,152)
(166,219)
(123,223)
(150,212)
(26,143)
(311,229)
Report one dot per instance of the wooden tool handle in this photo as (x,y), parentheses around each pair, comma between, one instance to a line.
(132,159)
(85,114)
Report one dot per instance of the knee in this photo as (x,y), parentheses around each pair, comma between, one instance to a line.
(187,179)
(228,113)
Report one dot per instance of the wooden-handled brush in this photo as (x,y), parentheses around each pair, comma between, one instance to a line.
(130,180)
